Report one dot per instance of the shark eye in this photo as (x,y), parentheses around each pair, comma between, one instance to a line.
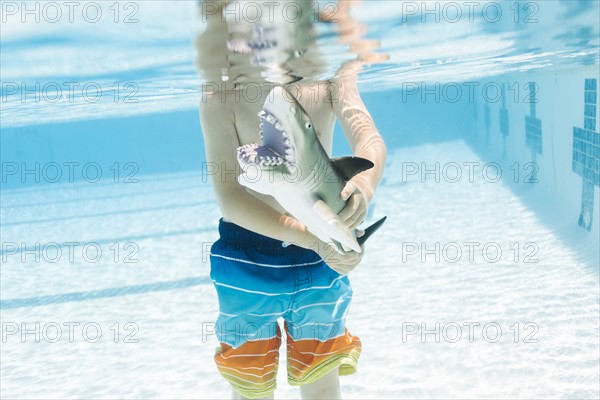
(308,125)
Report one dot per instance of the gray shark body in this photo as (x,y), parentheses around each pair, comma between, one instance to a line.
(292,166)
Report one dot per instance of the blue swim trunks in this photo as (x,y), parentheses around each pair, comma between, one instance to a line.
(259,281)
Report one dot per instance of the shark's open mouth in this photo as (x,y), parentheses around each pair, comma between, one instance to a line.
(276,147)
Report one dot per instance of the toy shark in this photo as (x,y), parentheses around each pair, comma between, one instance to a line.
(292,166)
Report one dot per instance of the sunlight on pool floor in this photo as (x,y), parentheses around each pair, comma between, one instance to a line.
(172,219)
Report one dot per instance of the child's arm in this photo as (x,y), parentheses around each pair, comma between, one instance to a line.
(244,209)
(365,141)
(236,204)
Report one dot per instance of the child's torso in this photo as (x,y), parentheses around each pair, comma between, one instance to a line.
(313,97)
(244,104)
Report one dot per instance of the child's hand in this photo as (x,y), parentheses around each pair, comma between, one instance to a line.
(341,263)
(356,209)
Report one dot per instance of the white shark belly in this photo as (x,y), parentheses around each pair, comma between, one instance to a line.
(318,217)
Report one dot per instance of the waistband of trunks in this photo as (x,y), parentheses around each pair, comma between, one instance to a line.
(232,232)
(235,234)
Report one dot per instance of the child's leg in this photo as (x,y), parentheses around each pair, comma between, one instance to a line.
(319,347)
(236,396)
(327,387)
(254,279)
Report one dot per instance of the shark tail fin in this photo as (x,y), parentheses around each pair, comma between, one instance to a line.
(350,166)
(370,230)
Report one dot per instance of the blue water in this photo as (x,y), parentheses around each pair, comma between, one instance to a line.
(107,213)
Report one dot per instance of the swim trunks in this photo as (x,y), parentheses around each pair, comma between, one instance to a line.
(259,281)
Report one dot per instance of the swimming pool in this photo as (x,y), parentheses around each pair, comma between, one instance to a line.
(483,282)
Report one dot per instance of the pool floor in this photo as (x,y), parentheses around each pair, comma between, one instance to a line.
(528,322)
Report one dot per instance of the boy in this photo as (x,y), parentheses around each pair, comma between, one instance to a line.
(258,276)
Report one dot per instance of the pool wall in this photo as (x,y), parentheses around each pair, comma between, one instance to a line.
(538,134)
(530,138)
(172,141)
(75,152)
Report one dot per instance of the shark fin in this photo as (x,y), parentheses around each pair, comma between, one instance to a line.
(370,230)
(350,166)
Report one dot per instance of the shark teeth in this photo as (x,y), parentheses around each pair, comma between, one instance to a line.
(262,44)
(267,118)
(269,161)
(247,154)
(250,146)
